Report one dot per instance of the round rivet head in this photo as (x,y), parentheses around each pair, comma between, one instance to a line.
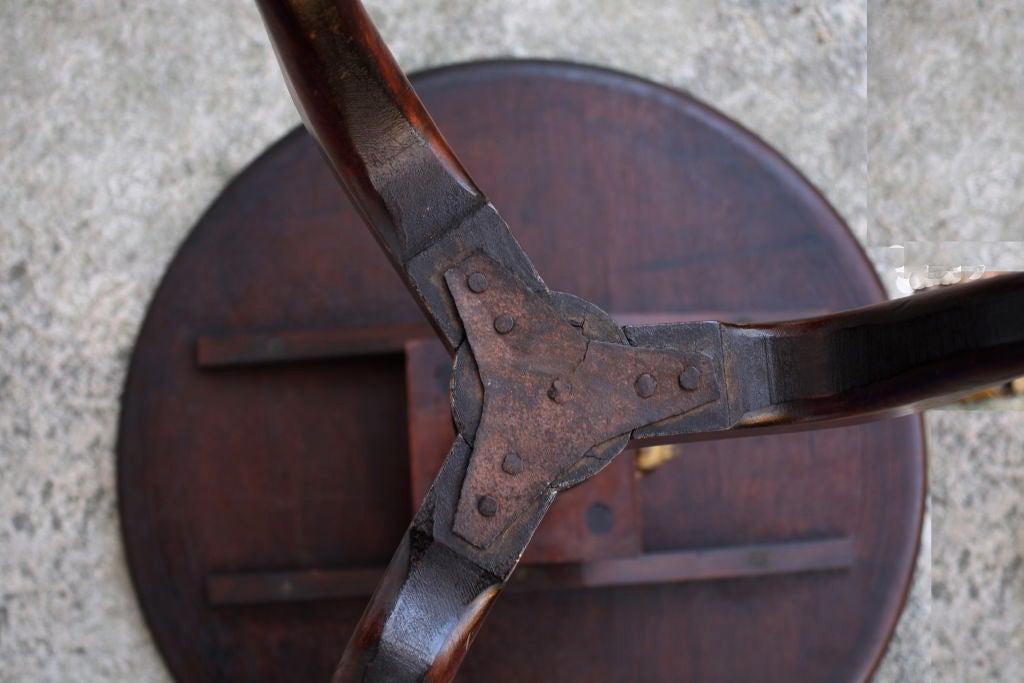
(504,323)
(560,391)
(689,378)
(276,345)
(512,464)
(645,385)
(477,282)
(600,519)
(487,506)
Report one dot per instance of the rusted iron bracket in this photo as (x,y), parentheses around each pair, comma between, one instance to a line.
(557,405)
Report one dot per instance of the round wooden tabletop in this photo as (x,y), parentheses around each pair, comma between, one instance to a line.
(631,195)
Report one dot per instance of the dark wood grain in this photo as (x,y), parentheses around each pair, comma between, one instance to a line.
(305,465)
(289,346)
(392,161)
(704,564)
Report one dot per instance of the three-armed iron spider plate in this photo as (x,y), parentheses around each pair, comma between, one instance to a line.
(287,407)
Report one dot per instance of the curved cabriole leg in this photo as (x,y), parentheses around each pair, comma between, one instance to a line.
(435,593)
(386,152)
(422,617)
(429,216)
(864,364)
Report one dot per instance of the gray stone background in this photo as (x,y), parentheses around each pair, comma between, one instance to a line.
(120,122)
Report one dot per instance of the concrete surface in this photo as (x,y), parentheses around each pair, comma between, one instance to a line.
(977,606)
(122,121)
(945,133)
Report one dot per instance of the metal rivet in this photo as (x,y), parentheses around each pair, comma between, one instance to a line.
(276,345)
(645,385)
(762,559)
(560,391)
(600,519)
(504,323)
(487,506)
(689,378)
(512,464)
(477,282)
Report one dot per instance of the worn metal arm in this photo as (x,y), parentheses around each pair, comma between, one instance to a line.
(892,358)
(386,151)
(436,591)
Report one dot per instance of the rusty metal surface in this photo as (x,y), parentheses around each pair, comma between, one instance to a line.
(586,523)
(551,397)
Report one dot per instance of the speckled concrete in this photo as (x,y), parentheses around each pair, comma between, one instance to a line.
(977,552)
(946,131)
(122,121)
